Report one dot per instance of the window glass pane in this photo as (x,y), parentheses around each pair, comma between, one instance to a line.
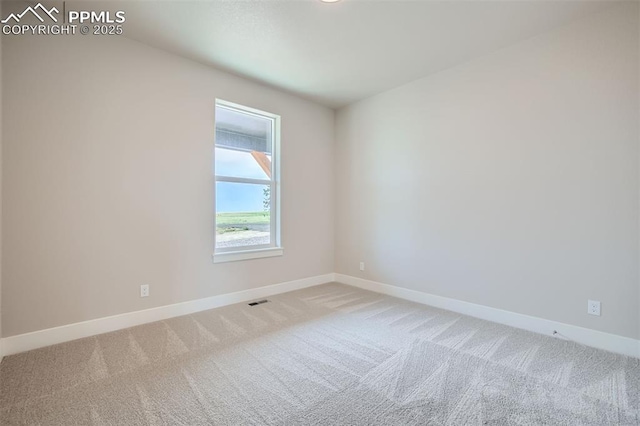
(243,144)
(230,162)
(243,214)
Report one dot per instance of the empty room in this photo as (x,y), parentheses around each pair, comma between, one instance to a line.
(320,212)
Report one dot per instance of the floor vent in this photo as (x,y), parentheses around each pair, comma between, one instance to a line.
(259,302)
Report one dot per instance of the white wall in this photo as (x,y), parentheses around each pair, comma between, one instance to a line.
(0,195)
(108,181)
(510,181)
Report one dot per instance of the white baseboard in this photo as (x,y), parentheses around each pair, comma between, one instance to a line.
(37,339)
(51,336)
(597,339)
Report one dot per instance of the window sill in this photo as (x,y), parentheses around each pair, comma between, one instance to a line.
(232,256)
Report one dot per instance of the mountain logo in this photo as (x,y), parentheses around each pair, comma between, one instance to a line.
(34,11)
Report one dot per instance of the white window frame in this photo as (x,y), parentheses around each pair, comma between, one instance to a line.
(274,248)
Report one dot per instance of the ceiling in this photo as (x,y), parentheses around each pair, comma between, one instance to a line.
(339,53)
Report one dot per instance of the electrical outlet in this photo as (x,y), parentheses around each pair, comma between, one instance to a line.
(362,266)
(144,290)
(593,307)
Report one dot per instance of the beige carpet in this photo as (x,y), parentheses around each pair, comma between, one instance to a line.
(327,355)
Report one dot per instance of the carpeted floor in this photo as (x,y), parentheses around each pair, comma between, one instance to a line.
(327,355)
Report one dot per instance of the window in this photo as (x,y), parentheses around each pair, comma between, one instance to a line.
(246,166)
